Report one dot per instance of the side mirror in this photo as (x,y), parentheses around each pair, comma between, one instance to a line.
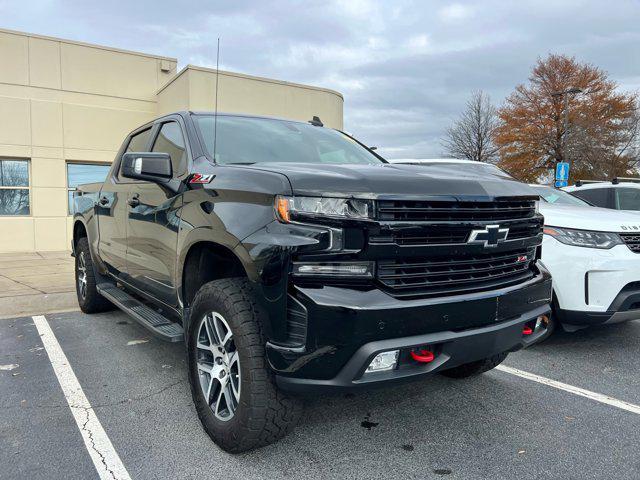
(150,166)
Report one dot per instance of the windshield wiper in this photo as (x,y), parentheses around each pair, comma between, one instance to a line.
(240,163)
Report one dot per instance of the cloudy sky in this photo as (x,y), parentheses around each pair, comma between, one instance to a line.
(405,67)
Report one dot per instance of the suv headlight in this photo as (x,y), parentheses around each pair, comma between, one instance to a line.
(288,208)
(584,238)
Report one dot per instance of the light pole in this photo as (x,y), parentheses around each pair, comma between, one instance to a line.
(566,93)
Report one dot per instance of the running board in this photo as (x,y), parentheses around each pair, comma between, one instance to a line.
(153,321)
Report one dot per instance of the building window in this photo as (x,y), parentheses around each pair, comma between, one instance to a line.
(81,173)
(14,187)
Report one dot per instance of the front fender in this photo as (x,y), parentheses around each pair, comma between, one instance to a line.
(268,253)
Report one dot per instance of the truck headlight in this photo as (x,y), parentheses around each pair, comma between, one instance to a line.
(288,208)
(584,238)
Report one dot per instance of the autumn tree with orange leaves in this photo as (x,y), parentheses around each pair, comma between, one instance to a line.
(603,133)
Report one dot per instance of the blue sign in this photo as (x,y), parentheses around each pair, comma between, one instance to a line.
(562,171)
(561,183)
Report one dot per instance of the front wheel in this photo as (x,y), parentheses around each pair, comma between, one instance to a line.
(475,368)
(231,384)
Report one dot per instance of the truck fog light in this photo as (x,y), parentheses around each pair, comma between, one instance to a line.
(383,362)
(342,269)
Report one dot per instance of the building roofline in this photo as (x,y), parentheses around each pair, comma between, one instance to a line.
(85,44)
(250,77)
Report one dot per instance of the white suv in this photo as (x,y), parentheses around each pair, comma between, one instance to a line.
(617,194)
(593,255)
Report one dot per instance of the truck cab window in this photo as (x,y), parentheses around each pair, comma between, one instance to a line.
(170,140)
(139,141)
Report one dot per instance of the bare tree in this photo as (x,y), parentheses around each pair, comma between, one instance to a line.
(471,136)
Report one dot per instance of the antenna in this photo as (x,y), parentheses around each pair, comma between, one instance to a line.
(215,112)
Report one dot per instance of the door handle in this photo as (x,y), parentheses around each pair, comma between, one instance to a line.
(104,200)
(134,201)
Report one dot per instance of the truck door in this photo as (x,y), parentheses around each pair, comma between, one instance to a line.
(113,209)
(153,221)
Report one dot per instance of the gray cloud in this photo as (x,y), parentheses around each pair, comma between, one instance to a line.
(405,67)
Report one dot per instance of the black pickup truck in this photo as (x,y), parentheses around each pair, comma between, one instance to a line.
(291,258)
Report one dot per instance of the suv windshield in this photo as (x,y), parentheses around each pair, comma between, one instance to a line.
(248,140)
(558,197)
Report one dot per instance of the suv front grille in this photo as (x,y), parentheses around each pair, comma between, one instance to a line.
(448,276)
(453,211)
(632,241)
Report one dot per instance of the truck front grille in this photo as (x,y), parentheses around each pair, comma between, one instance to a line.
(632,241)
(443,234)
(455,275)
(454,211)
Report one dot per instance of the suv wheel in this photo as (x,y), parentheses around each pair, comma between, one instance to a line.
(89,299)
(232,386)
(475,368)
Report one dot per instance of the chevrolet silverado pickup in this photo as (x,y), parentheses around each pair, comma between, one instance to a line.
(292,259)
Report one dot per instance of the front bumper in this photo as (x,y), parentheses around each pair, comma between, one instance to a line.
(453,349)
(593,286)
(348,327)
(625,307)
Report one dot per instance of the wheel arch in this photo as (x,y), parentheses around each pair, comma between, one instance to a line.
(205,261)
(79,231)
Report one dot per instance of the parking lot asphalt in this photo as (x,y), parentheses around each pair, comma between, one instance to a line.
(493,426)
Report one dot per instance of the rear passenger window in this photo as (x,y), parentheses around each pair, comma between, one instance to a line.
(597,196)
(171,141)
(628,198)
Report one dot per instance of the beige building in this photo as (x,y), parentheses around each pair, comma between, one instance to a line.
(66,107)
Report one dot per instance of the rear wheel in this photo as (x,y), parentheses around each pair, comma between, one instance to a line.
(89,299)
(475,368)
(233,389)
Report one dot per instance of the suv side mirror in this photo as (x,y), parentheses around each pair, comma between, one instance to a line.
(150,166)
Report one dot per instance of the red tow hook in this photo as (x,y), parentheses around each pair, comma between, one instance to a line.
(422,356)
(527,330)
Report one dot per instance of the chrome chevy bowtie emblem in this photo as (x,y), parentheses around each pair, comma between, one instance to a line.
(491,236)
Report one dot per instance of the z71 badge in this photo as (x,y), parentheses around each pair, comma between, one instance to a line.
(200,178)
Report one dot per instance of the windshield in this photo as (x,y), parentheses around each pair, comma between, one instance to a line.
(558,197)
(248,140)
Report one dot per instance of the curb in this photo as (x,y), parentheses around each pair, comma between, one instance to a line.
(24,305)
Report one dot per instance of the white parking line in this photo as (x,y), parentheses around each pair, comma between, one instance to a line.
(598,397)
(104,456)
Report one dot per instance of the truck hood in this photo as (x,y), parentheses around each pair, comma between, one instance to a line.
(391,180)
(589,218)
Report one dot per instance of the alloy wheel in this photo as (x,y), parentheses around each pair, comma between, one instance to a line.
(218,366)
(82,275)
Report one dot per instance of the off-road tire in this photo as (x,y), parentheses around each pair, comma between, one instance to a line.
(475,368)
(91,301)
(264,414)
